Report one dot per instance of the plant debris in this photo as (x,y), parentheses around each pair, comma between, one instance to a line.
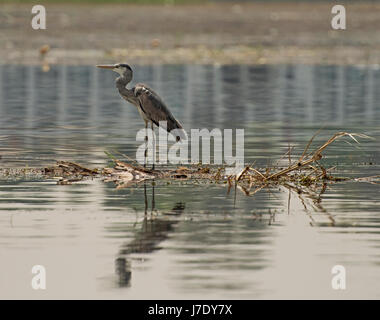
(305,171)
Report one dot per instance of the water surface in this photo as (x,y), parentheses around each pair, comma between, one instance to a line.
(185,240)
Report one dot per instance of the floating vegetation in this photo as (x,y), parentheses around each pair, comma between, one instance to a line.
(305,171)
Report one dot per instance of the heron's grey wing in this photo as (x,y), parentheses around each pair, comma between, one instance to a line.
(154,108)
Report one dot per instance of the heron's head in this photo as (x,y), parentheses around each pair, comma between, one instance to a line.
(123,69)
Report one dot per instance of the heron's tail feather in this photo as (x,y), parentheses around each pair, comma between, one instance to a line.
(179,132)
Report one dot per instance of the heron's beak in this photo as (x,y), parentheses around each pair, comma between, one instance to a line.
(106,66)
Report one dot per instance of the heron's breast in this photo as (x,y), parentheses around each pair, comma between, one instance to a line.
(143,114)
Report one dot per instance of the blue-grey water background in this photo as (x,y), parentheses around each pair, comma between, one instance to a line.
(197,240)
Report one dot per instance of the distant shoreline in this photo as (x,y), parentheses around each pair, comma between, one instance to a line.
(223,33)
(201,55)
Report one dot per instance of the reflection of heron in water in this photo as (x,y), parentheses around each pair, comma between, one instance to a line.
(153,231)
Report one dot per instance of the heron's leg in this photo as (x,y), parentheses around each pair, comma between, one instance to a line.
(153,201)
(145,199)
(146,143)
(154,145)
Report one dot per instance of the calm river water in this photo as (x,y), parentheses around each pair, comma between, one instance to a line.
(196,240)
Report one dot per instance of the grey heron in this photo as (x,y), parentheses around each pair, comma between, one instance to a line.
(148,103)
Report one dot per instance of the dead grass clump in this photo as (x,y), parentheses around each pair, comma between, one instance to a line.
(306,170)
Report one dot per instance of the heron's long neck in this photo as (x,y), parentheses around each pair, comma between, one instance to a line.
(121,84)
